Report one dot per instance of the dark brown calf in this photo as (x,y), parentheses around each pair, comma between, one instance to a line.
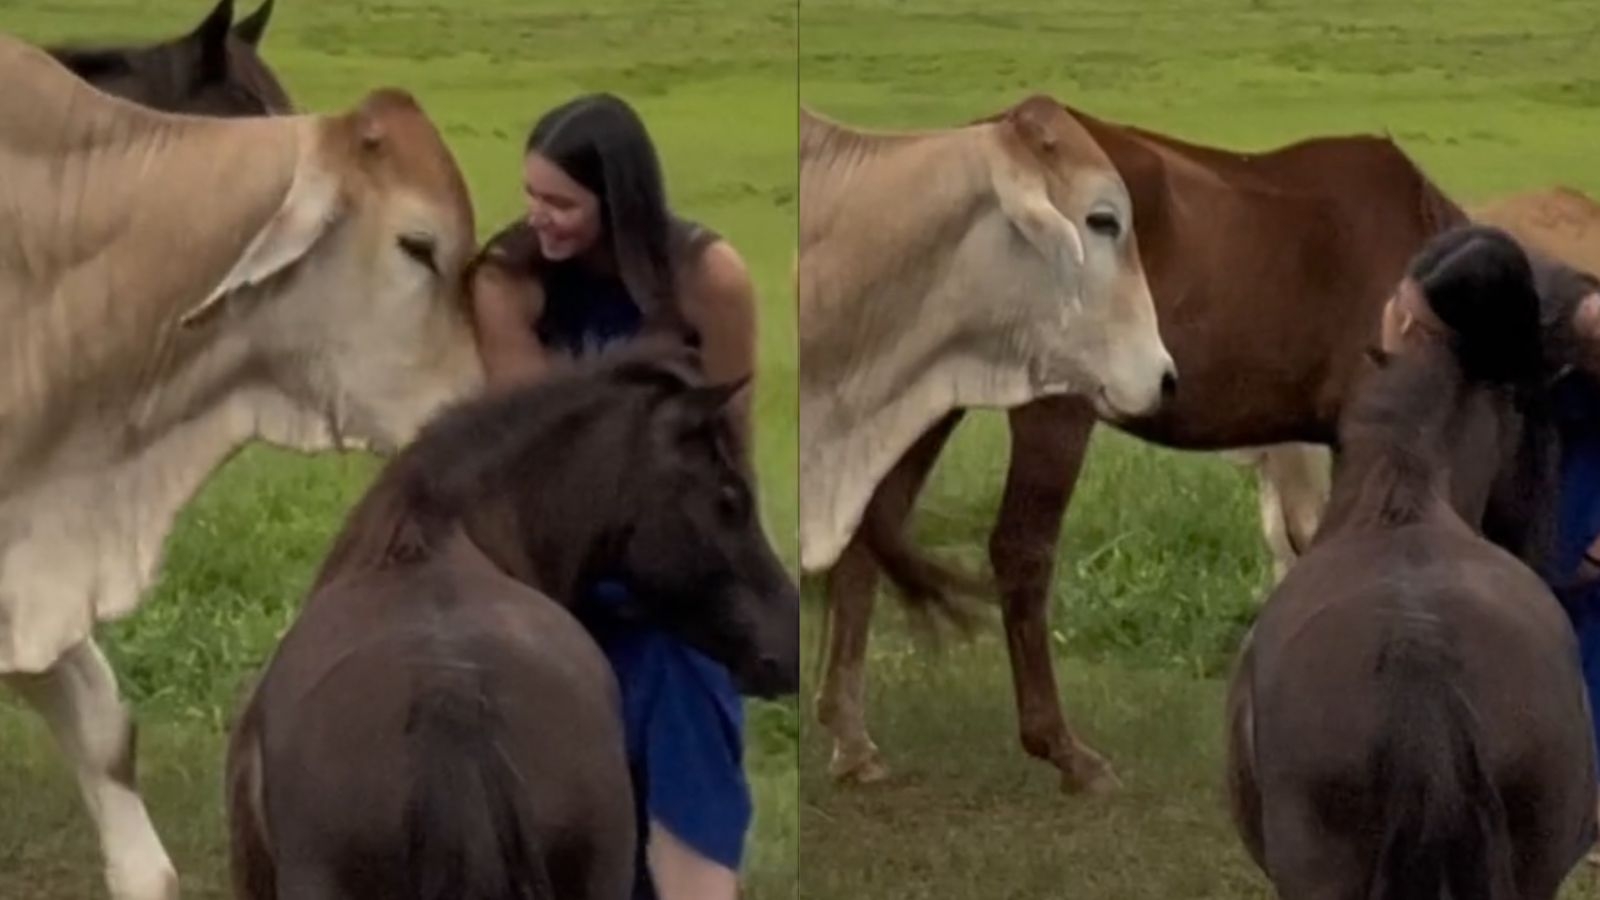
(1407,720)
(436,723)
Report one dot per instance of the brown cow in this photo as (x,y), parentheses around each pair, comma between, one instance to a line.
(1293,478)
(1269,271)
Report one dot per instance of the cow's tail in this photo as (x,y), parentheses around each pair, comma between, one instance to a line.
(468,827)
(1445,831)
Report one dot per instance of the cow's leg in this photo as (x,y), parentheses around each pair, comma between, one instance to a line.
(1274,523)
(1303,476)
(78,698)
(1293,482)
(851,588)
(1049,440)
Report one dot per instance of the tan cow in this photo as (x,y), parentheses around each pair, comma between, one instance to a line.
(170,289)
(983,266)
(1293,479)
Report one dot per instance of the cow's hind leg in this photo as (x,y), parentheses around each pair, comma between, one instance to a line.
(852,586)
(1293,481)
(1049,441)
(78,698)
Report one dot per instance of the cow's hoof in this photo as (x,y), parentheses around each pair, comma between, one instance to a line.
(1090,774)
(858,768)
(155,883)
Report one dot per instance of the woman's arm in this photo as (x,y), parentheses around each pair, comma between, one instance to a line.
(719,300)
(505,308)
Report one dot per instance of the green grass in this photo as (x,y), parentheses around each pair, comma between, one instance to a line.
(1161,563)
(714,80)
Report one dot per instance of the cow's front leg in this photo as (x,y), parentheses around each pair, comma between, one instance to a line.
(78,698)
(1049,440)
(851,587)
(842,697)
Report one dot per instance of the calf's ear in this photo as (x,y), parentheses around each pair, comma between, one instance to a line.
(313,204)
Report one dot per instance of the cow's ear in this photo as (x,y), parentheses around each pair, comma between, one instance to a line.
(313,204)
(1025,199)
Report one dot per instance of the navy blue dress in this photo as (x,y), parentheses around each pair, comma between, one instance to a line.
(683,718)
(583,312)
(1579,525)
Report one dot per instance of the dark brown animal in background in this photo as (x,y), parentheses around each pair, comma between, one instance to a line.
(1408,720)
(1559,222)
(1268,272)
(214,70)
(435,724)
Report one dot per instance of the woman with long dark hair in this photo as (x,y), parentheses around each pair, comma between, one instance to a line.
(599,260)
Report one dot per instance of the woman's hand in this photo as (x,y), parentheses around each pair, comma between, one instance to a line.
(1589,566)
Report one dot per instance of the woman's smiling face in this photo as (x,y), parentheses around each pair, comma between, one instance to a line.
(564,213)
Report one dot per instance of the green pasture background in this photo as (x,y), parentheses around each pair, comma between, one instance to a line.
(714,81)
(1161,563)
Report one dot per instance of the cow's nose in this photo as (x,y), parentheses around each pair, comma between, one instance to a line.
(1169,384)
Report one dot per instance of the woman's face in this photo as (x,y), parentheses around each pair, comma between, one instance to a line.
(1406,318)
(564,213)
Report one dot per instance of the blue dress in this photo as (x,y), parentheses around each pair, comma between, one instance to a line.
(683,718)
(1578,525)
(683,721)
(584,313)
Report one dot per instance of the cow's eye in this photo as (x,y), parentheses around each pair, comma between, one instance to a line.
(422,249)
(1106,224)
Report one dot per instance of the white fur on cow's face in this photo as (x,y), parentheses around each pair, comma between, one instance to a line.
(1109,346)
(368,335)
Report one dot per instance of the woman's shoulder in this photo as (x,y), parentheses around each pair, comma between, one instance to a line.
(711,269)
(514,249)
(691,237)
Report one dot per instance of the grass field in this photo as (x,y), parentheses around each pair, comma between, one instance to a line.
(714,80)
(1161,562)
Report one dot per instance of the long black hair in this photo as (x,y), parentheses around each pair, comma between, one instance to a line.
(1508,312)
(1478,280)
(601,143)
